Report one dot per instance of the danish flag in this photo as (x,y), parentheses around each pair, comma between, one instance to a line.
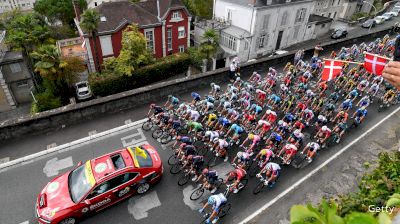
(331,69)
(374,63)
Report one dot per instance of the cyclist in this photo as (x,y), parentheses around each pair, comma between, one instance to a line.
(364,102)
(255,78)
(172,101)
(192,115)
(346,105)
(342,116)
(360,114)
(274,100)
(265,155)
(290,150)
(237,174)
(352,95)
(296,137)
(210,136)
(321,121)
(222,123)
(323,133)
(237,130)
(185,150)
(282,127)
(362,86)
(157,110)
(215,89)
(233,115)
(221,146)
(270,116)
(298,125)
(389,96)
(257,109)
(300,108)
(255,139)
(183,139)
(261,96)
(307,116)
(264,125)
(196,97)
(211,118)
(197,163)
(340,129)
(242,158)
(195,126)
(215,201)
(272,172)
(311,148)
(373,90)
(210,178)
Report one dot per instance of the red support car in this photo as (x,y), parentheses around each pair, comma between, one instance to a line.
(98,184)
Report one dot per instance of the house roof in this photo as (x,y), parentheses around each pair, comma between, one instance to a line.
(236,32)
(319,19)
(144,13)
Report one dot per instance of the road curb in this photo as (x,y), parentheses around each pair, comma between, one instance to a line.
(249,218)
(69,144)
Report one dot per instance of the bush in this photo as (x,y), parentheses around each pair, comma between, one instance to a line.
(45,101)
(358,15)
(110,83)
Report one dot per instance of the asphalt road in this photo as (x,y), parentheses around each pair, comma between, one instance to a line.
(166,203)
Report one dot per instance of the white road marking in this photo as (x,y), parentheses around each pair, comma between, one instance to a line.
(26,222)
(71,145)
(54,165)
(293,186)
(128,121)
(4,160)
(139,206)
(194,205)
(133,139)
(52,145)
(92,132)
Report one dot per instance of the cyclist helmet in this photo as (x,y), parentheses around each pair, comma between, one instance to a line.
(251,136)
(152,105)
(237,79)
(211,200)
(205,171)
(297,132)
(280,122)
(215,140)
(212,84)
(320,117)
(324,128)
(169,96)
(268,111)
(270,69)
(239,154)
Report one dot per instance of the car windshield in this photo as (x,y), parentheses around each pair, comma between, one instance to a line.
(78,183)
(141,157)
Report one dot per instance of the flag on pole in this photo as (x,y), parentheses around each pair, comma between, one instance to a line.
(332,68)
(374,63)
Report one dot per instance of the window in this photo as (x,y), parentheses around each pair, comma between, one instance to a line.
(15,67)
(296,32)
(149,39)
(300,15)
(334,15)
(261,41)
(323,25)
(169,38)
(284,18)
(338,2)
(246,45)
(229,15)
(111,184)
(181,32)
(181,48)
(22,84)
(176,15)
(106,45)
(118,161)
(265,22)
(228,41)
(329,15)
(95,3)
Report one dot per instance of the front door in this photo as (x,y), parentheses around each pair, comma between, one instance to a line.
(278,41)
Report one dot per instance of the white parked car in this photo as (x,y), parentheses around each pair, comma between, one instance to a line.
(396,9)
(83,91)
(387,16)
(397,4)
(379,19)
(394,13)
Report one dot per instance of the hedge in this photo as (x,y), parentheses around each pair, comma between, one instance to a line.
(167,67)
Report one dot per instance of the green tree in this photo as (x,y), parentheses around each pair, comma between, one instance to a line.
(89,23)
(201,9)
(58,10)
(134,53)
(210,45)
(48,62)
(26,31)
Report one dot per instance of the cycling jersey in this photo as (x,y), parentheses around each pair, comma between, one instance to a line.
(219,199)
(275,168)
(301,106)
(196,96)
(313,146)
(327,133)
(176,124)
(212,134)
(361,112)
(189,150)
(212,117)
(223,121)
(227,105)
(194,115)
(216,88)
(245,157)
(275,98)
(239,174)
(196,126)
(272,117)
(237,129)
(261,94)
(330,107)
(255,139)
(354,93)
(347,104)
(265,125)
(342,126)
(222,143)
(186,139)
(308,113)
(157,110)
(174,100)
(212,176)
(250,117)
(289,117)
(299,125)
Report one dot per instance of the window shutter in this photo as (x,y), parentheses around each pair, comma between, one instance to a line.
(266,22)
(258,42)
(298,13)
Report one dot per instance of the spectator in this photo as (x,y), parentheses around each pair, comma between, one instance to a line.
(232,70)
(392,73)
(318,48)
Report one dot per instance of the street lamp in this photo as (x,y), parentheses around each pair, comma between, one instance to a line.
(369,30)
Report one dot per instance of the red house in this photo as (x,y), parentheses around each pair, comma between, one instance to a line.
(164,23)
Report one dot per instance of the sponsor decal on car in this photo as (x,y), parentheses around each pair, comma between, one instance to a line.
(53,186)
(124,191)
(99,204)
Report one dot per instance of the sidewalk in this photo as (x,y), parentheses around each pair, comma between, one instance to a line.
(21,110)
(337,178)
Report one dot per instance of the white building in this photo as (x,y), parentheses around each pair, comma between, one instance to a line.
(93,3)
(254,28)
(341,9)
(8,5)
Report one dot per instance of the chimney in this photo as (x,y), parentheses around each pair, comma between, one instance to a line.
(158,9)
(77,9)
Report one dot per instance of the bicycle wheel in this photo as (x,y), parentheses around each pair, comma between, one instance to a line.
(157,133)
(196,194)
(219,183)
(244,182)
(147,125)
(175,169)
(298,161)
(258,188)
(183,131)
(212,161)
(202,150)
(183,179)
(172,160)
(253,169)
(166,138)
(224,210)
